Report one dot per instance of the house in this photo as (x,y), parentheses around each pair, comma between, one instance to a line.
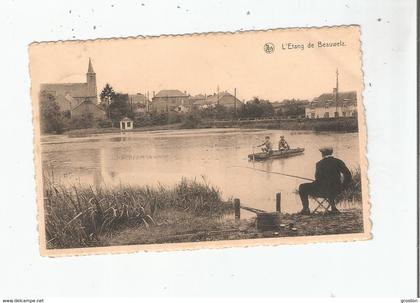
(169,100)
(225,99)
(331,105)
(139,102)
(70,95)
(88,108)
(126,124)
(290,108)
(198,101)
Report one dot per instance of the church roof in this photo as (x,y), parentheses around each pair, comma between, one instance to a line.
(87,102)
(76,90)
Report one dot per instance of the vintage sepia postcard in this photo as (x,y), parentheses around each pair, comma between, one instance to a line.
(200,141)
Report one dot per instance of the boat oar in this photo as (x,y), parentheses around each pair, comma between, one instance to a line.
(276,173)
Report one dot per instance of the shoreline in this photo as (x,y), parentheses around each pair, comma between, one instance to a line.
(347,222)
(336,125)
(189,211)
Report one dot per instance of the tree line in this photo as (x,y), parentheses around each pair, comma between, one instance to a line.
(117,106)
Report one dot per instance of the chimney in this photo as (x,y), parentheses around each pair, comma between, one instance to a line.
(153,94)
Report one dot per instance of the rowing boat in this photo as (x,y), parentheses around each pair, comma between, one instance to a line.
(276,154)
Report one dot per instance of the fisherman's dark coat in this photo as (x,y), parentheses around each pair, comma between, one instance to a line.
(328,176)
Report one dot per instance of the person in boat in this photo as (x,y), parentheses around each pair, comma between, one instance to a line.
(331,177)
(283,145)
(268,147)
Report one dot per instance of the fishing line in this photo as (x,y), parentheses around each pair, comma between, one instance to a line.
(276,173)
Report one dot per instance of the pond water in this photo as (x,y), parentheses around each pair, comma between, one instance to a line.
(217,155)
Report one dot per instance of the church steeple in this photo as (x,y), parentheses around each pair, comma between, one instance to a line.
(91,82)
(90,67)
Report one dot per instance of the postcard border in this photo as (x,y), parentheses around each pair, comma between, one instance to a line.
(367,223)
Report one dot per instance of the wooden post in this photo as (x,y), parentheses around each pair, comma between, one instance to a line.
(237,205)
(278,202)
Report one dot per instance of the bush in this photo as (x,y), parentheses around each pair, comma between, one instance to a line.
(174,117)
(191,121)
(86,120)
(104,123)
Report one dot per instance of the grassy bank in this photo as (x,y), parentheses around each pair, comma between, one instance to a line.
(318,125)
(82,217)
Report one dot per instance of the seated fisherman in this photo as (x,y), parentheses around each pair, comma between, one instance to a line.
(283,145)
(328,181)
(268,147)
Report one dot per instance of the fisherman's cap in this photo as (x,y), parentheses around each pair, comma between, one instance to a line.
(281,136)
(267,137)
(326,150)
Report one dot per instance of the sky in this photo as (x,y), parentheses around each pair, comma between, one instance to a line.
(201,63)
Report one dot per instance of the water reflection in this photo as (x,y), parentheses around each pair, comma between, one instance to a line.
(220,156)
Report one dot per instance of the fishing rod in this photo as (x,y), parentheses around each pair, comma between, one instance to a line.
(276,173)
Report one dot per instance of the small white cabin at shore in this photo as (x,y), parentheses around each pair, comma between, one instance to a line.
(126,124)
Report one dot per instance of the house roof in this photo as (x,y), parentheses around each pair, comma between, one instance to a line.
(76,90)
(344,98)
(170,93)
(126,119)
(138,98)
(198,97)
(201,101)
(223,97)
(287,103)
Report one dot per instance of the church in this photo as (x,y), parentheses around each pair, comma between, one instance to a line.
(77,98)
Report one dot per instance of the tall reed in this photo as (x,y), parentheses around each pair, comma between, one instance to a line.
(77,216)
(354,190)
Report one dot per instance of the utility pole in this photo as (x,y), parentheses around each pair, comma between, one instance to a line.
(218,95)
(336,93)
(236,112)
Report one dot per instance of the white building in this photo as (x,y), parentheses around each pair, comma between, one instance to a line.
(126,124)
(327,106)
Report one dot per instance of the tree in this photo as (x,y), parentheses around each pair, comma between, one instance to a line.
(107,96)
(119,108)
(292,108)
(257,108)
(51,117)
(222,112)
